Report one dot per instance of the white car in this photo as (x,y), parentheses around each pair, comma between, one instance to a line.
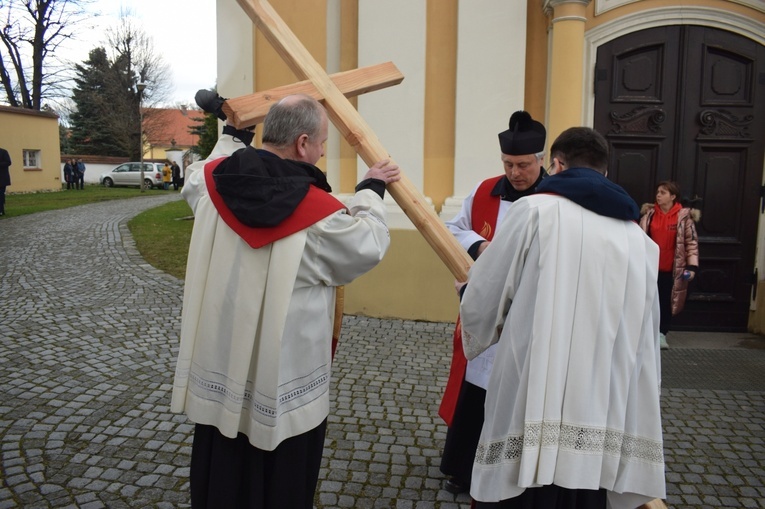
(129,174)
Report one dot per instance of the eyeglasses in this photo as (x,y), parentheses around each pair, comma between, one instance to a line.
(552,166)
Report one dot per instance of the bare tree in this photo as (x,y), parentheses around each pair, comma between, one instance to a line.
(132,50)
(105,118)
(129,44)
(31,31)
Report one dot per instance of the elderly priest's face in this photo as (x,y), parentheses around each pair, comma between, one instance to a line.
(522,171)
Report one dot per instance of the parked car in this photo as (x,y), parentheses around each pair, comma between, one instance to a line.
(129,174)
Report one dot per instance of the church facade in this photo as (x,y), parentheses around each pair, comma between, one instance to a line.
(677,88)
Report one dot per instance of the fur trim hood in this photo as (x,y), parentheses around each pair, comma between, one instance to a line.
(694,214)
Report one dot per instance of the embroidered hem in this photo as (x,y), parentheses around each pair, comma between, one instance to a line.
(576,438)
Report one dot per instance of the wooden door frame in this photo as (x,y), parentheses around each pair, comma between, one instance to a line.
(678,15)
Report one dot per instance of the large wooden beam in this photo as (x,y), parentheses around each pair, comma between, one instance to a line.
(353,127)
(248,110)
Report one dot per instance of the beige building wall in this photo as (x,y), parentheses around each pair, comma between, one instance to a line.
(467,65)
(21,130)
(490,86)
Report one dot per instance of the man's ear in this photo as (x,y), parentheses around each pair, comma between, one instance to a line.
(556,166)
(300,145)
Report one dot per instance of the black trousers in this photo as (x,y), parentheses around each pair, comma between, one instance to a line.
(231,473)
(551,497)
(463,435)
(665,282)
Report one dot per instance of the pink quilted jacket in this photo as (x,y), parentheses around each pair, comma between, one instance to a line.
(686,249)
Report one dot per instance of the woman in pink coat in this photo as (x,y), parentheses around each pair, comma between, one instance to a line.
(673,228)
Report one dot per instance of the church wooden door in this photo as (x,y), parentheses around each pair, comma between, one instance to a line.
(687,103)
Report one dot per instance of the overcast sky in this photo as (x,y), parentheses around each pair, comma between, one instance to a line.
(183,32)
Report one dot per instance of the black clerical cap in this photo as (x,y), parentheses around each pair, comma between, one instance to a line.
(525,136)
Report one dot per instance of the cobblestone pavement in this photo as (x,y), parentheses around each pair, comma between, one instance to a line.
(88,338)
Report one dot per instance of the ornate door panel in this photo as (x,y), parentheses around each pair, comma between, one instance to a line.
(687,103)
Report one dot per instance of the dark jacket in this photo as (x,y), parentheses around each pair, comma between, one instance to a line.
(593,191)
(5,163)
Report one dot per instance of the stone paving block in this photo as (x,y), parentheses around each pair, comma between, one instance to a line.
(345,501)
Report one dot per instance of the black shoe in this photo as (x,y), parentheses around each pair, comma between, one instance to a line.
(210,102)
(455,487)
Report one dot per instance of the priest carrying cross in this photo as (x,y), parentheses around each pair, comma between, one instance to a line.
(261,404)
(268,249)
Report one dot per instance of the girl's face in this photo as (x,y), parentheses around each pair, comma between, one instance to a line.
(663,198)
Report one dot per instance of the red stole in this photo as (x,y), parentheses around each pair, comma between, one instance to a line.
(484,222)
(316,205)
(485,209)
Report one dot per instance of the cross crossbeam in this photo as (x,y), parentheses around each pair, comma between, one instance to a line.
(251,109)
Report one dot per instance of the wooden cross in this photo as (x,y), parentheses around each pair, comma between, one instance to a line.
(356,131)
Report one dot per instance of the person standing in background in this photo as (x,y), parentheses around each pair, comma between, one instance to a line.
(176,175)
(673,228)
(69,173)
(5,177)
(167,176)
(79,172)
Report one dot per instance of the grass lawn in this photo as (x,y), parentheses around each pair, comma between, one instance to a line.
(162,234)
(29,203)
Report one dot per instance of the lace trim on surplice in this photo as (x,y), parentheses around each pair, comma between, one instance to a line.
(581,439)
(258,404)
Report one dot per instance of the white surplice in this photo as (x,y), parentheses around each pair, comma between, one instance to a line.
(255,351)
(573,398)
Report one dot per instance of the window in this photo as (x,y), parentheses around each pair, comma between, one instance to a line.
(31,158)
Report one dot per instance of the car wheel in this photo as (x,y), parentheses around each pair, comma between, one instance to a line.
(147,184)
(108,182)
